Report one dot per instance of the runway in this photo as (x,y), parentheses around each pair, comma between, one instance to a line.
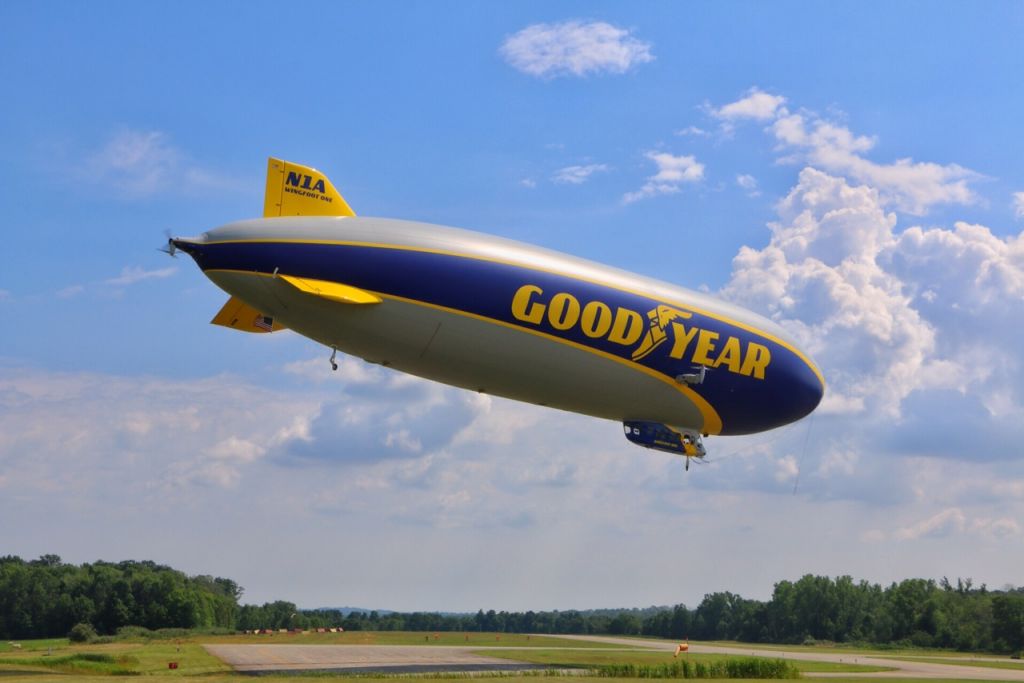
(266,659)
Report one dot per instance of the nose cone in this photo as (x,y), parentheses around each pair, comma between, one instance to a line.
(193,246)
(791,388)
(806,387)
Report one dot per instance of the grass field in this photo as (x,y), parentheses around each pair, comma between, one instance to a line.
(583,659)
(149,659)
(865,651)
(950,657)
(42,659)
(962,660)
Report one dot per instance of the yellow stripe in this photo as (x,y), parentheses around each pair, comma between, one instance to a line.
(712,420)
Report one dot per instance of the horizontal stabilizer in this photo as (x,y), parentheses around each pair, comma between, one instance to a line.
(335,291)
(239,315)
(295,190)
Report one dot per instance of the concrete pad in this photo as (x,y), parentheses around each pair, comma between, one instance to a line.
(260,659)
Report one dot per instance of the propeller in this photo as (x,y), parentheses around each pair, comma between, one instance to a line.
(169,248)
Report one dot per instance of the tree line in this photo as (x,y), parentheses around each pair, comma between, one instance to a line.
(46,597)
(914,612)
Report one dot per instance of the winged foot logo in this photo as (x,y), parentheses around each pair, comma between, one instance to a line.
(563,312)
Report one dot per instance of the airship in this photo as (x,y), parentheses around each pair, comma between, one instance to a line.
(502,317)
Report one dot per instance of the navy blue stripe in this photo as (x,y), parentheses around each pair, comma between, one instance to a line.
(789,391)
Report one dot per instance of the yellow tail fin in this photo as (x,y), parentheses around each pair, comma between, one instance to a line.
(239,315)
(295,190)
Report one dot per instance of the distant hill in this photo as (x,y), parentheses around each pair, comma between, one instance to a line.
(350,610)
(640,612)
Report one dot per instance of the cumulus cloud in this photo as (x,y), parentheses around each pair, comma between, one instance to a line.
(1018,204)
(673,171)
(577,175)
(804,136)
(756,105)
(909,327)
(912,187)
(133,274)
(574,48)
(819,275)
(380,414)
(748,183)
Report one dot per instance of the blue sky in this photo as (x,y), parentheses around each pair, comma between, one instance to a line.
(853,171)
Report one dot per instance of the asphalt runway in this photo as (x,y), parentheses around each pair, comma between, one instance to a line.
(267,659)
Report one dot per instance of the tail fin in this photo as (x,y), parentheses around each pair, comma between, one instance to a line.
(239,315)
(295,190)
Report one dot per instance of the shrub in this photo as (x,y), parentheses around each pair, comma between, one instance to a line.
(82,632)
(133,632)
(731,668)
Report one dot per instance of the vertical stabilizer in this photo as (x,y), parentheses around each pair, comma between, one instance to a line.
(294,190)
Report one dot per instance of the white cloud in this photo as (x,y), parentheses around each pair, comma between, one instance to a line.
(137,162)
(912,187)
(222,464)
(1002,527)
(820,276)
(916,332)
(748,183)
(673,171)
(953,521)
(786,469)
(514,480)
(577,175)
(142,163)
(756,105)
(1018,204)
(839,461)
(70,292)
(380,414)
(944,523)
(80,435)
(574,48)
(693,130)
(132,274)
(528,183)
